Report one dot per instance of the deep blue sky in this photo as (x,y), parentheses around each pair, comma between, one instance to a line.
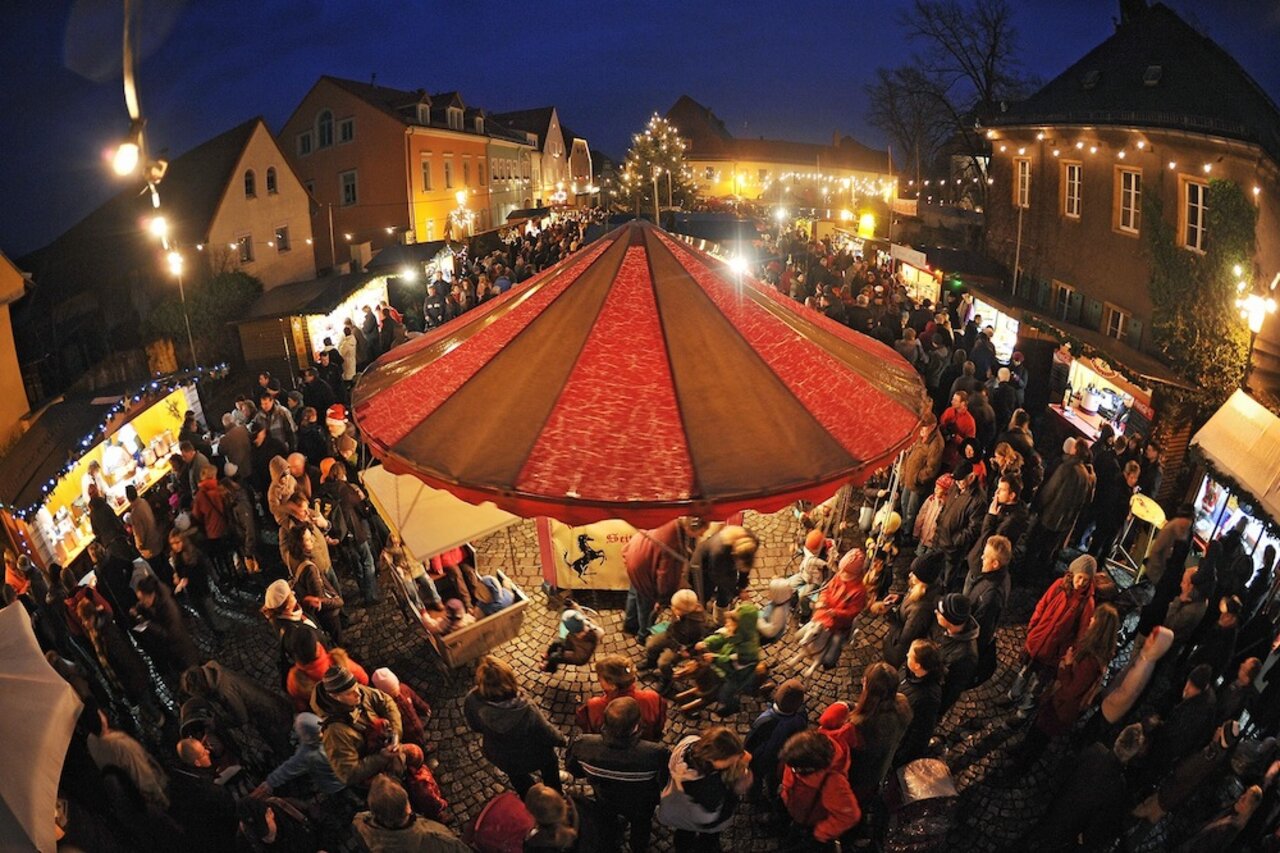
(780,69)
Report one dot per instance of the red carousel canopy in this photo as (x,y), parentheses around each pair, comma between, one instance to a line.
(639,379)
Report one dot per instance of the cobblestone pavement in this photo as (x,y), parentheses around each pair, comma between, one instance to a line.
(994,811)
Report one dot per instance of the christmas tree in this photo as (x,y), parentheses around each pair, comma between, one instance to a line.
(655,161)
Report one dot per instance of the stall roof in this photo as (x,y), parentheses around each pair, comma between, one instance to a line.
(962,262)
(1148,367)
(430,521)
(394,257)
(1242,441)
(317,296)
(529,213)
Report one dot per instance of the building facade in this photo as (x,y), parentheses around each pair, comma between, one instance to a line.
(549,166)
(510,181)
(387,166)
(13,393)
(1156,112)
(833,176)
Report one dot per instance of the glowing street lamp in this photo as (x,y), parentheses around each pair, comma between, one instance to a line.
(125,160)
(1254,308)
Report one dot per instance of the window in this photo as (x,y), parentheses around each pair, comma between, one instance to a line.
(480,172)
(424,114)
(1128,200)
(304,143)
(1115,322)
(466,173)
(324,129)
(250,184)
(479,124)
(1071,174)
(347,188)
(1194,214)
(1061,304)
(272,186)
(346,130)
(709,173)
(448,174)
(245,246)
(1022,182)
(426,173)
(431,229)
(455,118)
(282,239)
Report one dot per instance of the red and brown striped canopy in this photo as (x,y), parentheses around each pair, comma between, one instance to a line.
(639,379)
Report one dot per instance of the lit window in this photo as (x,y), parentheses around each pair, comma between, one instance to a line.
(479,125)
(426,173)
(272,188)
(346,130)
(245,248)
(250,184)
(347,188)
(709,173)
(282,238)
(1071,175)
(1116,323)
(448,174)
(1022,184)
(1129,212)
(324,129)
(304,143)
(1195,213)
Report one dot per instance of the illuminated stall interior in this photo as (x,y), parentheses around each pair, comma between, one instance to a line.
(1098,395)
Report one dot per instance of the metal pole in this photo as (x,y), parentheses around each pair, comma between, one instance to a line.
(191,342)
(333,248)
(657,217)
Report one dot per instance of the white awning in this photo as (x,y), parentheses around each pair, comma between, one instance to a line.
(38,711)
(1242,440)
(430,520)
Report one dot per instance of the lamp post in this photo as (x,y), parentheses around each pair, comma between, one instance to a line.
(1254,308)
(175,267)
(657,217)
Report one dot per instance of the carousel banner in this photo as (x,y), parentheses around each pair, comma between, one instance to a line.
(586,557)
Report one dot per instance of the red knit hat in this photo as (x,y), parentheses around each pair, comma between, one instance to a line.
(836,715)
(813,542)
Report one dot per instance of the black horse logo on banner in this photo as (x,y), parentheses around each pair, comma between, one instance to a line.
(589,556)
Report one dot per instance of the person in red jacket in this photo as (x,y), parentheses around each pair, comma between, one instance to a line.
(956,424)
(816,793)
(656,561)
(841,600)
(618,678)
(209,510)
(1059,620)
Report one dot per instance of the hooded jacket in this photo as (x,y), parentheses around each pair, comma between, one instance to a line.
(246,701)
(1060,619)
(345,733)
(921,466)
(822,802)
(840,602)
(960,657)
(879,736)
(741,648)
(517,737)
(210,509)
(1066,493)
(654,571)
(693,801)
(283,485)
(303,677)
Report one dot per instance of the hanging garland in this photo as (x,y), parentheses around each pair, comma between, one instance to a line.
(158,388)
(1080,347)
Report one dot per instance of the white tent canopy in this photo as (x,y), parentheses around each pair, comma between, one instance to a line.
(38,711)
(1242,440)
(430,520)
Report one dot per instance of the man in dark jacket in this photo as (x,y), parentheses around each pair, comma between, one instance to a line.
(957,639)
(960,522)
(983,354)
(204,809)
(1004,398)
(1091,806)
(626,773)
(1007,516)
(316,393)
(1111,507)
(434,307)
(166,632)
(922,685)
(988,593)
(1186,728)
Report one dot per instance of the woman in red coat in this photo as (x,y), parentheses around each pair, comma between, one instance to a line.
(1060,619)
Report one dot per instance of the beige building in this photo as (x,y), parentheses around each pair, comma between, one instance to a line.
(549,162)
(13,395)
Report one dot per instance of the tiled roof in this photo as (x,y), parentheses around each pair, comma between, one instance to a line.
(1156,71)
(534,121)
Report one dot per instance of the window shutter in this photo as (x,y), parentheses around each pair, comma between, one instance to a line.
(1092,314)
(1134,338)
(1040,293)
(1074,307)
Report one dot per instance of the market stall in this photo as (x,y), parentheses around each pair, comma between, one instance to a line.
(129,434)
(1097,394)
(284,328)
(1239,452)
(920,282)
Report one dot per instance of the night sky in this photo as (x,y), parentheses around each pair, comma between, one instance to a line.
(776,69)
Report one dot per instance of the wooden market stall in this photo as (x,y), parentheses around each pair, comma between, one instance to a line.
(129,432)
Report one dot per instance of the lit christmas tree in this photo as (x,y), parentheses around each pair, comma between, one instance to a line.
(655,161)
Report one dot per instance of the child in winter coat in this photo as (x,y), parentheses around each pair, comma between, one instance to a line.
(456,616)
(813,572)
(774,617)
(421,786)
(687,628)
(735,651)
(579,637)
(414,711)
(842,599)
(770,731)
(617,677)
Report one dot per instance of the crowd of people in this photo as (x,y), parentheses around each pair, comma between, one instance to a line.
(1145,696)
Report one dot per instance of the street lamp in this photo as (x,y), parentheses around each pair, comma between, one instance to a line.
(175,268)
(1254,308)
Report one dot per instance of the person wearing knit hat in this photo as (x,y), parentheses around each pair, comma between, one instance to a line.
(1059,620)
(414,710)
(840,602)
(812,573)
(777,612)
(954,608)
(278,592)
(577,641)
(835,724)
(785,717)
(911,616)
(308,760)
(925,527)
(360,728)
(958,643)
(326,466)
